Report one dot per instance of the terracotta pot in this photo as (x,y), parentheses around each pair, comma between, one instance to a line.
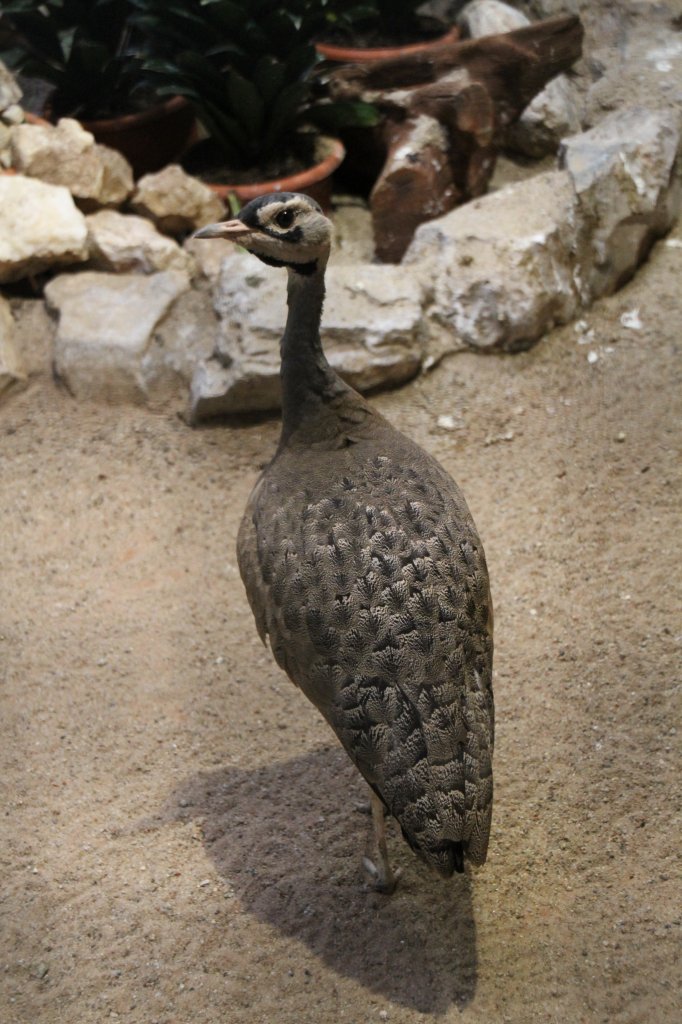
(353,55)
(316,181)
(150,139)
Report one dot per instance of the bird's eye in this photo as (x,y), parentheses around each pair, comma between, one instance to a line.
(284,218)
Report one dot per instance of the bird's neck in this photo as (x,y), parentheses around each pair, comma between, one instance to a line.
(309,384)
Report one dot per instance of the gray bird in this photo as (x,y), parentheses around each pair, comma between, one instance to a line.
(363,566)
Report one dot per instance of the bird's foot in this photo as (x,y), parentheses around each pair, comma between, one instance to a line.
(381,877)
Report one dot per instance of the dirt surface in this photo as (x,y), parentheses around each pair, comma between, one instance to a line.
(179,839)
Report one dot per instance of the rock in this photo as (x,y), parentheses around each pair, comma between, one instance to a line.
(40,228)
(500,268)
(554,112)
(184,339)
(36,329)
(208,254)
(625,173)
(634,62)
(488,17)
(176,202)
(10,93)
(125,243)
(105,329)
(12,369)
(372,333)
(5,155)
(13,115)
(550,117)
(67,155)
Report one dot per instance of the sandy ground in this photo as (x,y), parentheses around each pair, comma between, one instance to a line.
(179,842)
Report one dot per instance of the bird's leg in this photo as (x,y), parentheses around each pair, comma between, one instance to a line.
(379,871)
(365,807)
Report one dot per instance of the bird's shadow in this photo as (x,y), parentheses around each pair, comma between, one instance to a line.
(287,838)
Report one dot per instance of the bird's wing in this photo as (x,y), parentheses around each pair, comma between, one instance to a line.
(249,567)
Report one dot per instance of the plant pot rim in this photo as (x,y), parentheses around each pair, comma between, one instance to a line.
(358,55)
(141,117)
(291,183)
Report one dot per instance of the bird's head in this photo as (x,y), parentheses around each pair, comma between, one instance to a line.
(283,229)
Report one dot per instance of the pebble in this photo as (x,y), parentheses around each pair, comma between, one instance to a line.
(448,423)
(592,357)
(631,319)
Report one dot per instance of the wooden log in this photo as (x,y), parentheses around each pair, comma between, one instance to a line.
(416,184)
(514,66)
(473,90)
(456,160)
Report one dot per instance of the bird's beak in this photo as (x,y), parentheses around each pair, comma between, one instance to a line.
(232,230)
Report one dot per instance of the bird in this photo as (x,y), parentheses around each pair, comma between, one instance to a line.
(364,569)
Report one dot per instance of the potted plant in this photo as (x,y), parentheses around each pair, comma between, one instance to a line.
(89,54)
(246,66)
(377,29)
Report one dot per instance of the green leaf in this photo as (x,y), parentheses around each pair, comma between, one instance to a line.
(245,103)
(343,114)
(269,77)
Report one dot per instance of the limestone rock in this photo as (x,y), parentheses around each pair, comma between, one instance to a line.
(12,369)
(554,112)
(10,93)
(176,202)
(372,333)
(125,243)
(13,114)
(67,155)
(106,323)
(36,329)
(208,254)
(625,173)
(5,155)
(488,17)
(40,228)
(500,269)
(184,339)
(552,115)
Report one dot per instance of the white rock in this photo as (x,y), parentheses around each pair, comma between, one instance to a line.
(501,267)
(625,174)
(127,243)
(184,339)
(488,17)
(176,202)
(5,155)
(67,155)
(10,93)
(552,115)
(554,112)
(13,114)
(106,323)
(372,333)
(208,254)
(631,319)
(40,228)
(12,369)
(36,329)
